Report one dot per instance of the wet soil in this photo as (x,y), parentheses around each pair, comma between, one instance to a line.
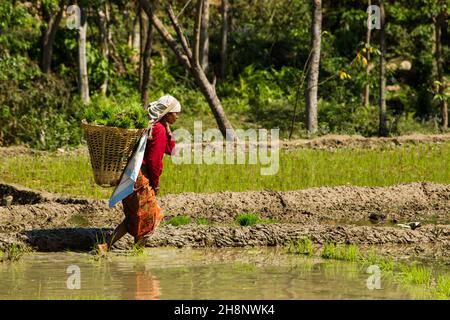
(346,214)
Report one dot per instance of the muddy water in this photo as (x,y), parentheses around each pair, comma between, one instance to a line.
(168,273)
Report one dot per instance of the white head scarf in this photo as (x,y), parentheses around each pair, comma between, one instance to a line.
(158,109)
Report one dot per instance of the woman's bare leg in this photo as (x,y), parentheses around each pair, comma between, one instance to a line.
(118,233)
(139,241)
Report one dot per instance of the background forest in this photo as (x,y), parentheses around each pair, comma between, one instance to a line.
(254,54)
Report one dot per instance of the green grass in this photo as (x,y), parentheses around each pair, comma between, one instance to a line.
(179,220)
(298,169)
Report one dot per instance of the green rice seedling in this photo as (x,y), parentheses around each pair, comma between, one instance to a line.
(138,250)
(304,246)
(443,286)
(291,247)
(387,264)
(415,275)
(247,219)
(179,220)
(99,239)
(329,250)
(371,258)
(352,253)
(13,253)
(72,173)
(202,221)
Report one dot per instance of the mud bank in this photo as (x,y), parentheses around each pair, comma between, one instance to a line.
(347,214)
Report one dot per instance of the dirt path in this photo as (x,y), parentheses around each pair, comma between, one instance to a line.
(346,214)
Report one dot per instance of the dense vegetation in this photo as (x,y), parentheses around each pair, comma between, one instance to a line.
(268,46)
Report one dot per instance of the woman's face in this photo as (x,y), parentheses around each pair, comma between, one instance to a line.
(171,117)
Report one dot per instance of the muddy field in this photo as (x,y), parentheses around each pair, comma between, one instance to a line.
(347,214)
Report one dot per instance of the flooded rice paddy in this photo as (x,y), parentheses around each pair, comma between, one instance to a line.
(169,273)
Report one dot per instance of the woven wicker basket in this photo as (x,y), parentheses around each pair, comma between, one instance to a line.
(109,150)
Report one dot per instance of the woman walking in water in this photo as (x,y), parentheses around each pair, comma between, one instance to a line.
(142,213)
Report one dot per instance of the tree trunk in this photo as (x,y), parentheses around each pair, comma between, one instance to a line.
(146,64)
(367,86)
(382,124)
(224,40)
(190,60)
(313,76)
(143,29)
(48,38)
(137,42)
(83,84)
(204,37)
(136,35)
(105,35)
(439,26)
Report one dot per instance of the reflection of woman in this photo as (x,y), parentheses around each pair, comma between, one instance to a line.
(147,287)
(142,213)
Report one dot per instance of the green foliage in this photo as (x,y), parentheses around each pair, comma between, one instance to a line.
(17,28)
(36,108)
(267,50)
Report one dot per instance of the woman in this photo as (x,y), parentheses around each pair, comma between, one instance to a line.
(142,213)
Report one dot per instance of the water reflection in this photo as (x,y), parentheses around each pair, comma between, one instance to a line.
(169,273)
(147,286)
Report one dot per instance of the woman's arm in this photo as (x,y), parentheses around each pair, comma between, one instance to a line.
(170,145)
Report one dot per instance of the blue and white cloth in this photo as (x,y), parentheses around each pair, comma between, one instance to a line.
(126,184)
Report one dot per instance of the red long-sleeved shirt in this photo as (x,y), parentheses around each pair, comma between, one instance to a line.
(160,143)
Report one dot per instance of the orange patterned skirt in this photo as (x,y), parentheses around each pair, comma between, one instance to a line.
(142,212)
